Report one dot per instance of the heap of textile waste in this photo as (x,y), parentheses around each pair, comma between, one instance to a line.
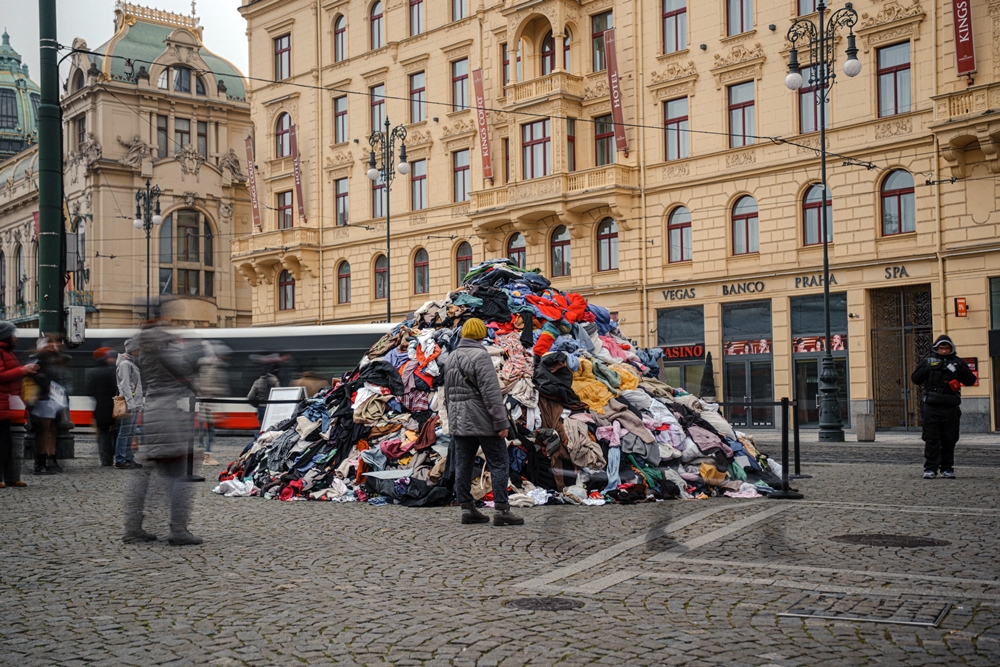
(591,422)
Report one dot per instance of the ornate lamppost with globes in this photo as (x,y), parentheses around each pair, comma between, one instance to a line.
(147,216)
(821,38)
(384,143)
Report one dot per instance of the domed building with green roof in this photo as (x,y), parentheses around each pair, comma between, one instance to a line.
(19,100)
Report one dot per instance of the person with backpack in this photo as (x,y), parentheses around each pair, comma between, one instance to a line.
(130,388)
(262,386)
(12,374)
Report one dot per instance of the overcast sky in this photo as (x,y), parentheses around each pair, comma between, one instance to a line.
(225,29)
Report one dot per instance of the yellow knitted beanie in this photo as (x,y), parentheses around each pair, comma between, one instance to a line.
(474,329)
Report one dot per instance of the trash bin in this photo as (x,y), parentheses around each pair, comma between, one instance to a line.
(865,425)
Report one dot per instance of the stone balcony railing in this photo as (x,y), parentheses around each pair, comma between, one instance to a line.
(275,241)
(557,83)
(555,186)
(18,313)
(80,297)
(974,100)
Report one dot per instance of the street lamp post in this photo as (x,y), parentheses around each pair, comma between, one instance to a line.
(147,215)
(822,37)
(384,143)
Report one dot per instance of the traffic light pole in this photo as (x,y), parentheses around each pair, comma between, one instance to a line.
(50,187)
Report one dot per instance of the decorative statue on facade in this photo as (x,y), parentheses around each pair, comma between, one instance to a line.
(231,162)
(190,161)
(136,151)
(90,150)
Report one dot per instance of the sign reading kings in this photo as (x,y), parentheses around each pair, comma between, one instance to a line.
(484,130)
(965,48)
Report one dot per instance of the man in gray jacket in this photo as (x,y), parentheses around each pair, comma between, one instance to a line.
(477,418)
(130,387)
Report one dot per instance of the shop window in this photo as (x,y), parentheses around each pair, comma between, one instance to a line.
(599,24)
(674,25)
(376,19)
(381,277)
(285,219)
(548,54)
(421,272)
(894,80)
(286,291)
(745,226)
(675,124)
(416,17)
(607,246)
(812,215)
(418,97)
(747,368)
(282,57)
(463,261)
(810,97)
(681,332)
(536,149)
(282,136)
(340,39)
(460,85)
(418,185)
(746,321)
(343,202)
(604,140)
(742,125)
(377,96)
(560,247)
(344,283)
(739,15)
(898,204)
(679,234)
(517,250)
(809,344)
(462,173)
(340,120)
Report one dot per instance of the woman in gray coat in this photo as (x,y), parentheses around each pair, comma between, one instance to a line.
(477,418)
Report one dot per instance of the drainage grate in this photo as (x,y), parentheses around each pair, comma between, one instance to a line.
(543,604)
(927,613)
(883,540)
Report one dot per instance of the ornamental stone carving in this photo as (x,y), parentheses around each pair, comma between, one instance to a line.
(459,127)
(894,128)
(738,54)
(231,161)
(190,161)
(595,90)
(136,151)
(673,71)
(190,199)
(225,212)
(676,171)
(741,159)
(893,11)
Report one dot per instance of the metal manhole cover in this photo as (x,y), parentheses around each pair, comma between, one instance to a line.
(928,613)
(883,540)
(543,604)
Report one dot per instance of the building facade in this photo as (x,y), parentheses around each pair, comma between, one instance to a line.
(152,103)
(699,227)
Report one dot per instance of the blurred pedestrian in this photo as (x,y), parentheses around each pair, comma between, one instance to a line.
(129,387)
(167,366)
(50,399)
(213,382)
(311,381)
(262,386)
(12,374)
(102,386)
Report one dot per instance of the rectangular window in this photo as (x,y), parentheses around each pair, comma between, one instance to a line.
(675,123)
(811,94)
(182,132)
(342,201)
(418,185)
(182,80)
(894,80)
(285,219)
(741,115)
(460,84)
(378,198)
(806,7)
(994,303)
(166,281)
(463,174)
(536,150)
(161,136)
(81,130)
(187,237)
(808,318)
(740,16)
(418,97)
(458,10)
(282,57)
(674,25)
(203,139)
(506,160)
(505,58)
(600,23)
(680,326)
(604,140)
(416,17)
(187,282)
(340,120)
(210,283)
(571,144)
(209,245)
(377,96)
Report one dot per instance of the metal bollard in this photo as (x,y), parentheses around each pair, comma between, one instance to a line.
(785,493)
(795,441)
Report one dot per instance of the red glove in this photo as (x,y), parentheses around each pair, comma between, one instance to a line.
(954,385)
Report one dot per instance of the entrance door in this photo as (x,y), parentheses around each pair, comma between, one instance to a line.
(749,382)
(807,370)
(902,332)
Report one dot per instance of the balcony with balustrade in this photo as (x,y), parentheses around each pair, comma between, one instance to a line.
(259,255)
(965,123)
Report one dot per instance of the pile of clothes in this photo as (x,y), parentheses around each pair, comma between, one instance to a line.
(592,423)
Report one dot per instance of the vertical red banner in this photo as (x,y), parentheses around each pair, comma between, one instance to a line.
(298,172)
(252,185)
(614,88)
(965,47)
(484,130)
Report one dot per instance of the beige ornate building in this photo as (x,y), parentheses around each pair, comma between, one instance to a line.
(703,235)
(151,103)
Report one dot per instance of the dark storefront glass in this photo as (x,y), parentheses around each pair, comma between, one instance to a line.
(746,349)
(808,346)
(995,325)
(679,331)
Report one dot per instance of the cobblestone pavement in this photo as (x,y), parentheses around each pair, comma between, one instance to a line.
(677,583)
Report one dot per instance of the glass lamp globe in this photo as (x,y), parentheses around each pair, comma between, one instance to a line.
(157,219)
(137,223)
(403,168)
(793,81)
(373,174)
(852,67)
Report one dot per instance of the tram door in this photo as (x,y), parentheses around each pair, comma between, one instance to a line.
(902,333)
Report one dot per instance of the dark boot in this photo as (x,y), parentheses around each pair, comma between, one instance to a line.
(472,515)
(504,517)
(137,535)
(54,465)
(40,467)
(182,536)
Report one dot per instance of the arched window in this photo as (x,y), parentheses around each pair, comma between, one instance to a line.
(20,275)
(377,21)
(517,250)
(286,291)
(199,85)
(163,81)
(344,283)
(567,53)
(381,277)
(898,204)
(745,226)
(679,234)
(283,136)
(3,281)
(560,252)
(187,254)
(78,81)
(607,245)
(339,39)
(182,80)
(548,54)
(463,260)
(421,272)
(812,215)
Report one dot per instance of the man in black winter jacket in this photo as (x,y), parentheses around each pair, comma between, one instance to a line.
(942,375)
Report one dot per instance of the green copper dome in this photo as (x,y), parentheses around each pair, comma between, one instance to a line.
(19,100)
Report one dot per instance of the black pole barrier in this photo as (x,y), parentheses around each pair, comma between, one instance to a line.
(191,477)
(795,442)
(785,492)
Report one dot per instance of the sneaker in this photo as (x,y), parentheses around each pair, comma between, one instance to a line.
(929,474)
(948,474)
(128,465)
(209,461)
